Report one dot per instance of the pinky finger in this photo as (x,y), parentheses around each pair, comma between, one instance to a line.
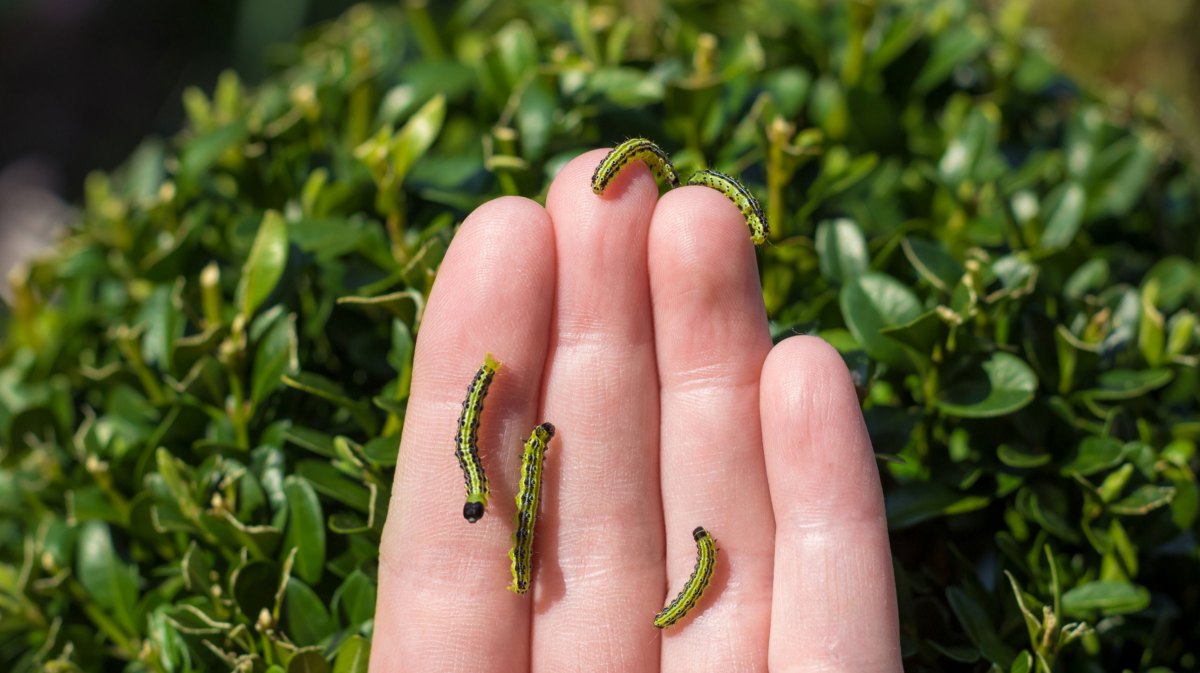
(834,596)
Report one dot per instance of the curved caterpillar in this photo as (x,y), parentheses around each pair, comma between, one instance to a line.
(706,561)
(528,495)
(635,148)
(466,446)
(741,197)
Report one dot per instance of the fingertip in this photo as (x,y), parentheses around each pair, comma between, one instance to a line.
(510,218)
(815,439)
(697,232)
(806,377)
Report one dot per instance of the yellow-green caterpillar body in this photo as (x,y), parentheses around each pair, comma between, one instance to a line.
(466,440)
(706,562)
(634,149)
(529,494)
(741,197)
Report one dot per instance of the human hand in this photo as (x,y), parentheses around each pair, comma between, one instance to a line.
(636,326)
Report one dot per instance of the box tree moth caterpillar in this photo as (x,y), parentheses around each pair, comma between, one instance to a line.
(741,197)
(706,561)
(635,148)
(466,440)
(529,494)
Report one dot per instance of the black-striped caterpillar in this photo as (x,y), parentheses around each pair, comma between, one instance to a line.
(706,562)
(529,494)
(635,148)
(741,197)
(466,440)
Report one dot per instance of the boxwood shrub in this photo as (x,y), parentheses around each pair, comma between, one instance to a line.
(202,385)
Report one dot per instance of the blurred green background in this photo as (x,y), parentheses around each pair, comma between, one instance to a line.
(83,81)
(202,386)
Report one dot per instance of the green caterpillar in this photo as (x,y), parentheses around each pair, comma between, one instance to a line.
(634,148)
(706,561)
(741,197)
(466,444)
(528,495)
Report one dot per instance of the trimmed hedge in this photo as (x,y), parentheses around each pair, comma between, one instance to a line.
(201,388)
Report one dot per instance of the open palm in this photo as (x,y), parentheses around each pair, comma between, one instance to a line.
(636,326)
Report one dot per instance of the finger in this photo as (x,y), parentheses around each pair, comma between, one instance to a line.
(443,603)
(710,331)
(834,604)
(598,551)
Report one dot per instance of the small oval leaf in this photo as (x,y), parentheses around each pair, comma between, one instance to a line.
(264,266)
(873,301)
(999,385)
(307,617)
(305,528)
(841,250)
(1108,597)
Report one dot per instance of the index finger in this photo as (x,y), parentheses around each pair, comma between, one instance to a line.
(443,604)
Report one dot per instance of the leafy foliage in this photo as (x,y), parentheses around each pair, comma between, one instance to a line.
(202,387)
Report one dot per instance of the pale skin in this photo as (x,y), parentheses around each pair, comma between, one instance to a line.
(635,324)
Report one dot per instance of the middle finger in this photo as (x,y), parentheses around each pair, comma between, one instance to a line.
(598,556)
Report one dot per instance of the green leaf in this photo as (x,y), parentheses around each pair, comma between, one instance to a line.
(1065,216)
(111,583)
(417,136)
(264,266)
(317,442)
(978,627)
(829,109)
(517,51)
(1046,505)
(1106,597)
(1088,278)
(1176,280)
(308,661)
(1094,455)
(1181,331)
(348,523)
(626,87)
(254,586)
(1033,625)
(318,385)
(1143,500)
(1120,190)
(305,528)
(163,324)
(206,150)
(1000,385)
(842,250)
(950,49)
(1021,457)
(382,451)
(1124,384)
(535,119)
(932,261)
(307,618)
(356,599)
(331,483)
(914,503)
(873,301)
(274,357)
(353,656)
(971,155)
(920,335)
(406,305)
